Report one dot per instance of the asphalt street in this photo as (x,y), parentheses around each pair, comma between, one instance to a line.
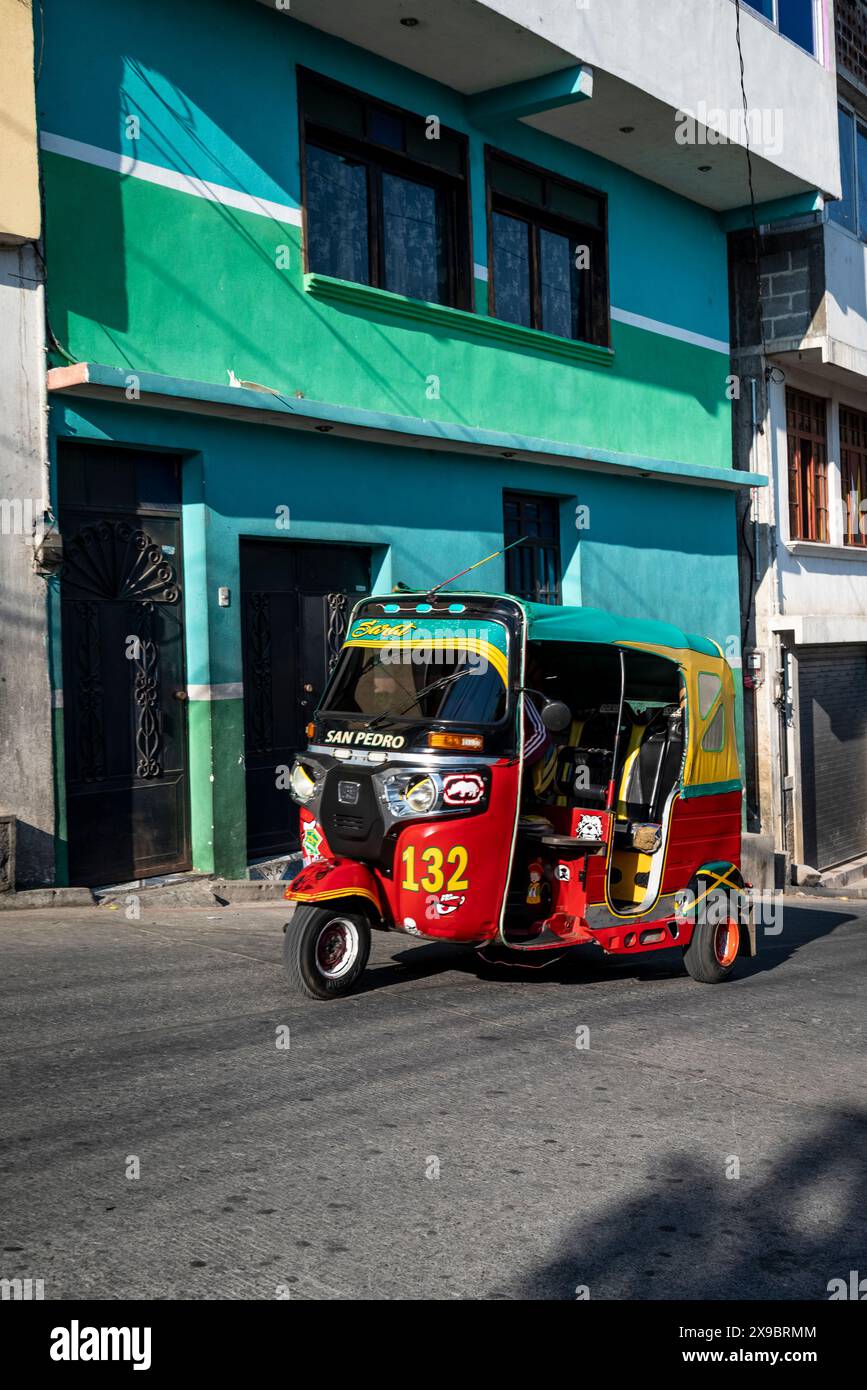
(437,1135)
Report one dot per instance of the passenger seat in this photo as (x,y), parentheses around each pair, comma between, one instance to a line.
(655,770)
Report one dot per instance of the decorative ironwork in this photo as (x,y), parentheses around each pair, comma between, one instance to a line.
(260,706)
(335,628)
(90,743)
(146,692)
(115,560)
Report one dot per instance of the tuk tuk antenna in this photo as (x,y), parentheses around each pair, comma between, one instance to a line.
(432,593)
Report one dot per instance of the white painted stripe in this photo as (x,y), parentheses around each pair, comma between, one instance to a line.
(232,690)
(169,178)
(480,271)
(668,330)
(57,699)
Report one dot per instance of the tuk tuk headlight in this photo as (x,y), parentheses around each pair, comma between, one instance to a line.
(302,782)
(421,795)
(410,793)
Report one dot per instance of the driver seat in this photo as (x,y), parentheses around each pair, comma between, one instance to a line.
(591,760)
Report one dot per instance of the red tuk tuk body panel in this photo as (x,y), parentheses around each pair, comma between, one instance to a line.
(703,829)
(325,880)
(449,876)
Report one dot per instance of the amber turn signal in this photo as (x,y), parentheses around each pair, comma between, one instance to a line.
(310,730)
(459,741)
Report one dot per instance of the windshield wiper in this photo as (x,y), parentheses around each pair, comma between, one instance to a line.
(425,690)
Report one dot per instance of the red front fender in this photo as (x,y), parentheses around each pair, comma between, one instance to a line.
(326,879)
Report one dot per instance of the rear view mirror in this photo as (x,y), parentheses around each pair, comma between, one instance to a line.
(556,716)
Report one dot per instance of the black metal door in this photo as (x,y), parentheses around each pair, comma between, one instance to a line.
(124,681)
(296,600)
(832,713)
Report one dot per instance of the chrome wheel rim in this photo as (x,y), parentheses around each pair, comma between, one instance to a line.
(336,948)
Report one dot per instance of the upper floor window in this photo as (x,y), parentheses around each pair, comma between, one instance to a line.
(796,19)
(808,466)
(850,210)
(385,195)
(532,569)
(548,251)
(853,475)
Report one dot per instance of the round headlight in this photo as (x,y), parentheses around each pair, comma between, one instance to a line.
(421,796)
(301,783)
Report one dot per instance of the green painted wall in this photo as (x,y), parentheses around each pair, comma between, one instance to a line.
(148,278)
(198,294)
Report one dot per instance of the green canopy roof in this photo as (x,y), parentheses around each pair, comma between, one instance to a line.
(555,623)
(547,623)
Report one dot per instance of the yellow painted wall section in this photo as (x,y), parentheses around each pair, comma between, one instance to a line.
(19,185)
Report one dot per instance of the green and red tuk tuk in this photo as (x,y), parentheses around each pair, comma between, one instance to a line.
(483,770)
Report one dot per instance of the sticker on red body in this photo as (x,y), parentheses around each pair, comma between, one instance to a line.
(463,789)
(314,846)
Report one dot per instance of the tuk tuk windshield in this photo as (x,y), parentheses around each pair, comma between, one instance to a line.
(441,671)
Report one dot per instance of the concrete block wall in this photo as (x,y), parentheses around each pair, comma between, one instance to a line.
(851,38)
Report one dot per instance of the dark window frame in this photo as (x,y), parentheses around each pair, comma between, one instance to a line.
(597,300)
(552,544)
(774,22)
(380,158)
(858,229)
(807,454)
(853,473)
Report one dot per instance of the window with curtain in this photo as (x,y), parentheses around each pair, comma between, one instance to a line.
(853,475)
(549,266)
(385,204)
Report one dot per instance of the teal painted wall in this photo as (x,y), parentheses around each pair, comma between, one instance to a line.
(651,549)
(146,277)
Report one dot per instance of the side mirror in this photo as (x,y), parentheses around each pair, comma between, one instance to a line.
(556,716)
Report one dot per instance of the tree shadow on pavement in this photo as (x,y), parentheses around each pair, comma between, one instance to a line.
(800,927)
(782,1230)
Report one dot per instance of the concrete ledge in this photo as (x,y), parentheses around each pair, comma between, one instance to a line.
(841,894)
(246,890)
(264,405)
(47,897)
(757,860)
(210,892)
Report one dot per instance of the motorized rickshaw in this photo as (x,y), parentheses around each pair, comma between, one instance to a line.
(518,777)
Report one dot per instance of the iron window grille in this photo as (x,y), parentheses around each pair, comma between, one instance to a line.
(532,569)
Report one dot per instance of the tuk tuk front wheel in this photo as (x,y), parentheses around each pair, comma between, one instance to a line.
(712,951)
(325,951)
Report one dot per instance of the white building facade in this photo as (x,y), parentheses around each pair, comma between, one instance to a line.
(803,421)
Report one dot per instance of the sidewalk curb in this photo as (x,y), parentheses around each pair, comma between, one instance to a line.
(212,892)
(47,897)
(841,893)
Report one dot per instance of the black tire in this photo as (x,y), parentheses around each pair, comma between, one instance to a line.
(711,954)
(312,959)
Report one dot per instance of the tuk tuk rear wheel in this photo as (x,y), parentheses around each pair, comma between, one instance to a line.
(712,951)
(325,951)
